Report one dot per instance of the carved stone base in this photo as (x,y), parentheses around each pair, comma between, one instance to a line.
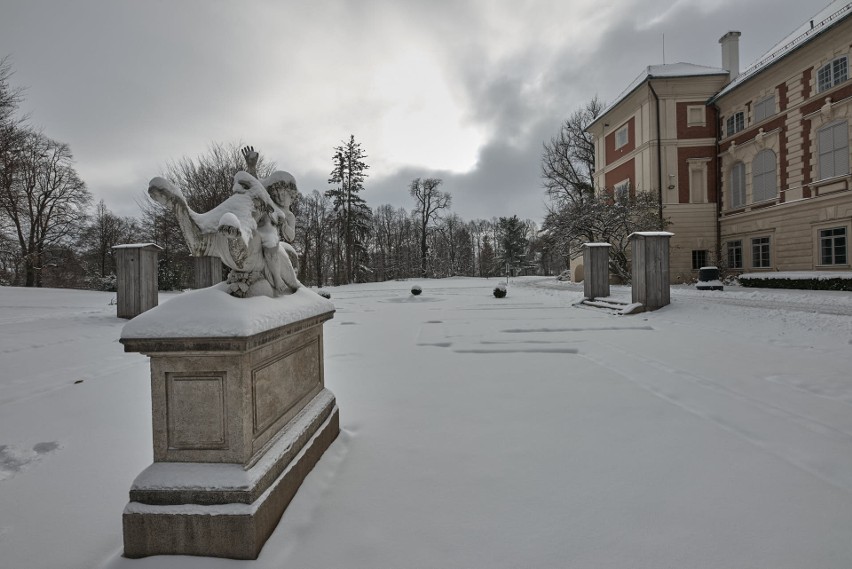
(221,510)
(239,419)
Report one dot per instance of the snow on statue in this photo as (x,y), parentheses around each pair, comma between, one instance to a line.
(245,230)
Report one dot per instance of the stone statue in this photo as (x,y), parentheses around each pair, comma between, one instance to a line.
(252,231)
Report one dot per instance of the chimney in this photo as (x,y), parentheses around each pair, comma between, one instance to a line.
(731,54)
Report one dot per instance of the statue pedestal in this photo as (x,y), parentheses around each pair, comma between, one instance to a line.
(240,417)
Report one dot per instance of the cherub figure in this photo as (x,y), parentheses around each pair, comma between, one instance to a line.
(243,230)
(282,189)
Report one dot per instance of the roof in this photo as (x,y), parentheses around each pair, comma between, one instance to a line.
(821,22)
(664,71)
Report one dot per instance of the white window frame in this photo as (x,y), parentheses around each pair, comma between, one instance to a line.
(759,246)
(830,243)
(621,190)
(735,123)
(737,183)
(735,254)
(622,136)
(832,73)
(698,111)
(764,108)
(833,150)
(764,186)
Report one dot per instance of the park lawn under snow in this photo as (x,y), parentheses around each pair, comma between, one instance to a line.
(476,432)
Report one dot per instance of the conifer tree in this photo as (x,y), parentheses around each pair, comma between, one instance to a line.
(351,211)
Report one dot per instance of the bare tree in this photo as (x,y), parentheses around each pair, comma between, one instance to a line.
(568,160)
(429,200)
(42,199)
(104,231)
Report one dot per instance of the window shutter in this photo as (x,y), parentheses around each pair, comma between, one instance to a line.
(841,148)
(826,152)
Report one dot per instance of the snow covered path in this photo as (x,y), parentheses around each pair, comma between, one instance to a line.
(477,432)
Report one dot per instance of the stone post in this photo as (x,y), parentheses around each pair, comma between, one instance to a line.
(650,270)
(596,268)
(136,286)
(208,271)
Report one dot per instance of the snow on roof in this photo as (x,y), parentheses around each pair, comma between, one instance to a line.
(822,21)
(137,246)
(663,71)
(596,245)
(650,234)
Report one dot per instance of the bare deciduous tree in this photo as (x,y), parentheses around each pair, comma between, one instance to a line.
(429,200)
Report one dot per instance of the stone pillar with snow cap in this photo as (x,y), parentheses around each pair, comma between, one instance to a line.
(596,265)
(240,409)
(650,268)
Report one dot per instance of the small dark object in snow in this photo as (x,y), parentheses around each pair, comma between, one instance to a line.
(78,381)
(708,279)
(500,291)
(415,290)
(324,293)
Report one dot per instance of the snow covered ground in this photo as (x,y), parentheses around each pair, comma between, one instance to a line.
(477,432)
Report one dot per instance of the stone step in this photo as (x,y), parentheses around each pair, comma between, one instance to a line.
(611,305)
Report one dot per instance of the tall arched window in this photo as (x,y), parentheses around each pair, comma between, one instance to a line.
(738,185)
(763,186)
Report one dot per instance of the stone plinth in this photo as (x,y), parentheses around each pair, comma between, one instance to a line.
(650,268)
(596,268)
(136,271)
(207,271)
(240,416)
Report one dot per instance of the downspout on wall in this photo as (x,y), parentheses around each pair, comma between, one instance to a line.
(718,134)
(659,157)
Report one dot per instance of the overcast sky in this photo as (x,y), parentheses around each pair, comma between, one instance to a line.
(463,90)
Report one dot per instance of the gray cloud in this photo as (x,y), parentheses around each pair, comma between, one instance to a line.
(131,86)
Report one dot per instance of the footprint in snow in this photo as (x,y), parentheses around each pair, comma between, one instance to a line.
(14,459)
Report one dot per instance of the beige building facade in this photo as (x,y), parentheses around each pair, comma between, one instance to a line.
(751,170)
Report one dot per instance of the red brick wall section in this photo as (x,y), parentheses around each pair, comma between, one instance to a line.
(611,153)
(806,166)
(782,97)
(836,94)
(749,133)
(782,162)
(683,154)
(626,171)
(685,132)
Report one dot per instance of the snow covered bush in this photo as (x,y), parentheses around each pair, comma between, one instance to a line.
(500,290)
(415,290)
(324,293)
(807,280)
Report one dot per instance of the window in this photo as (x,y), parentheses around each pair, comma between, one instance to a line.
(763,176)
(696,116)
(832,73)
(699,259)
(760,258)
(735,123)
(738,185)
(735,254)
(832,246)
(621,137)
(833,140)
(622,190)
(764,108)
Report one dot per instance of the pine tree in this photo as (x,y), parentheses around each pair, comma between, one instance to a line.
(351,211)
(513,242)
